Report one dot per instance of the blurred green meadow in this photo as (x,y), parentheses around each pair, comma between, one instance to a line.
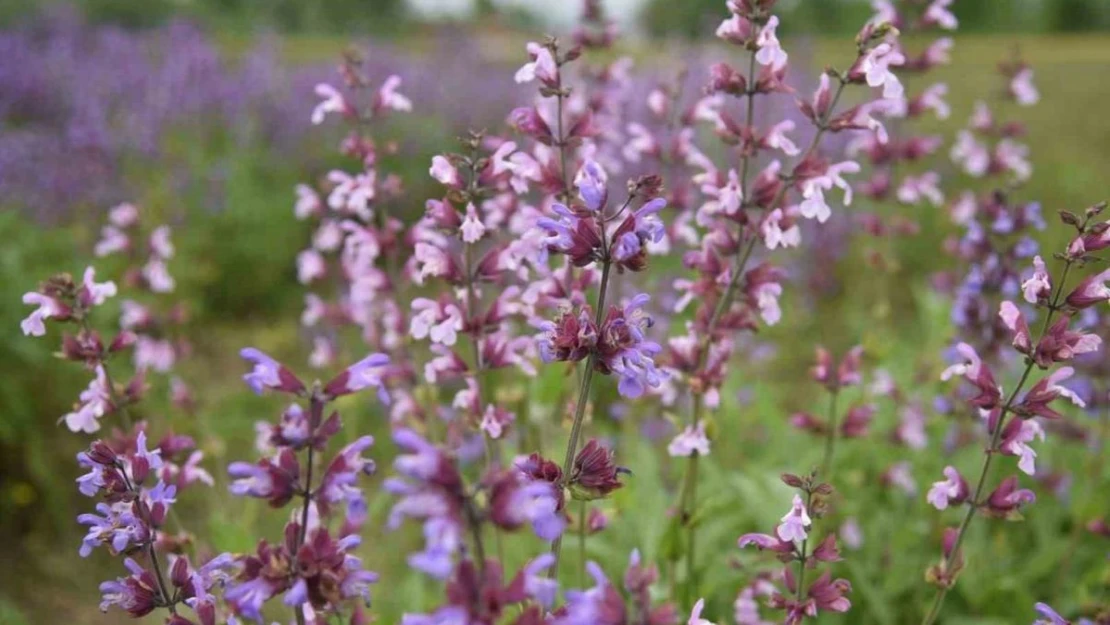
(230,201)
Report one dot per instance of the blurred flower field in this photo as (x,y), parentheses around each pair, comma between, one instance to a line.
(211,134)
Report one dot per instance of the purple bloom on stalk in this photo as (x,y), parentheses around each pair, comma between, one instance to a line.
(48,307)
(363,374)
(115,525)
(690,441)
(637,230)
(1092,290)
(952,490)
(623,348)
(341,477)
(269,373)
(134,594)
(591,182)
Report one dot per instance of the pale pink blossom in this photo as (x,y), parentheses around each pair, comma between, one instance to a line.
(970,154)
(1039,285)
(95,401)
(112,240)
(770,51)
(47,307)
(156,354)
(352,193)
(308,202)
(876,65)
(727,198)
(914,189)
(323,353)
(124,215)
(98,292)
(389,98)
(310,266)
(773,234)
(1014,157)
(640,141)
(1018,444)
(1023,89)
(472,227)
(794,522)
(689,441)
(933,98)
(446,173)
(953,487)
(328,236)
(439,323)
(963,209)
(160,244)
(938,13)
(813,205)
(331,101)
(767,300)
(542,66)
(695,614)
(778,140)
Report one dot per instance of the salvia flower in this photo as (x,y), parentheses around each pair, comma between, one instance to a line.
(794,522)
(953,490)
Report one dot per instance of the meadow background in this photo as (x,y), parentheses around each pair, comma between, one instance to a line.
(199,112)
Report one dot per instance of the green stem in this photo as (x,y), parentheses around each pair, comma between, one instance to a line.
(830,438)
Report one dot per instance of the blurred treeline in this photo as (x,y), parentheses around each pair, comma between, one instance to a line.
(656,17)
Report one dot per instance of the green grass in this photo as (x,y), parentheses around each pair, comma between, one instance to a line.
(244,293)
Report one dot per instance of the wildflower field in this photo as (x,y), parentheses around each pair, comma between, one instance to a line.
(485,326)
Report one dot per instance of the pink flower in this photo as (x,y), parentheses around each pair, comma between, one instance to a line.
(970,154)
(794,522)
(158,277)
(495,420)
(310,266)
(308,202)
(323,352)
(689,441)
(1092,290)
(1015,322)
(778,140)
(156,354)
(727,197)
(332,101)
(160,244)
(937,13)
(735,29)
(933,99)
(1024,431)
(1014,157)
(364,374)
(389,98)
(268,373)
(953,490)
(640,141)
(1038,287)
(48,307)
(112,240)
(96,293)
(472,227)
(124,215)
(770,52)
(914,189)
(1022,88)
(95,402)
(446,173)
(813,205)
(352,193)
(695,614)
(980,375)
(774,235)
(542,66)
(875,69)
(432,320)
(1037,401)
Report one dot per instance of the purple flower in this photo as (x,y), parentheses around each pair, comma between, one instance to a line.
(340,479)
(115,525)
(952,490)
(135,594)
(363,374)
(794,522)
(591,182)
(269,373)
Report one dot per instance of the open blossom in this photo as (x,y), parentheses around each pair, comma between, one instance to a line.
(938,13)
(48,307)
(1038,287)
(780,231)
(95,402)
(770,51)
(914,189)
(1091,290)
(952,490)
(875,66)
(1015,442)
(978,373)
(813,205)
(794,522)
(436,321)
(388,97)
(695,614)
(690,441)
(541,67)
(331,101)
(269,373)
(1022,88)
(445,173)
(972,155)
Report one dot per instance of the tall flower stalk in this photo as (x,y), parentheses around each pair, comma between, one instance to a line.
(741,214)
(1055,344)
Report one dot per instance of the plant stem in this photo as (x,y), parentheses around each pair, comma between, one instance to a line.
(316,408)
(830,438)
(581,540)
(996,436)
(583,397)
(803,556)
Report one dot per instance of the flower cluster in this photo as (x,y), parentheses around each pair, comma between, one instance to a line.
(312,570)
(790,543)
